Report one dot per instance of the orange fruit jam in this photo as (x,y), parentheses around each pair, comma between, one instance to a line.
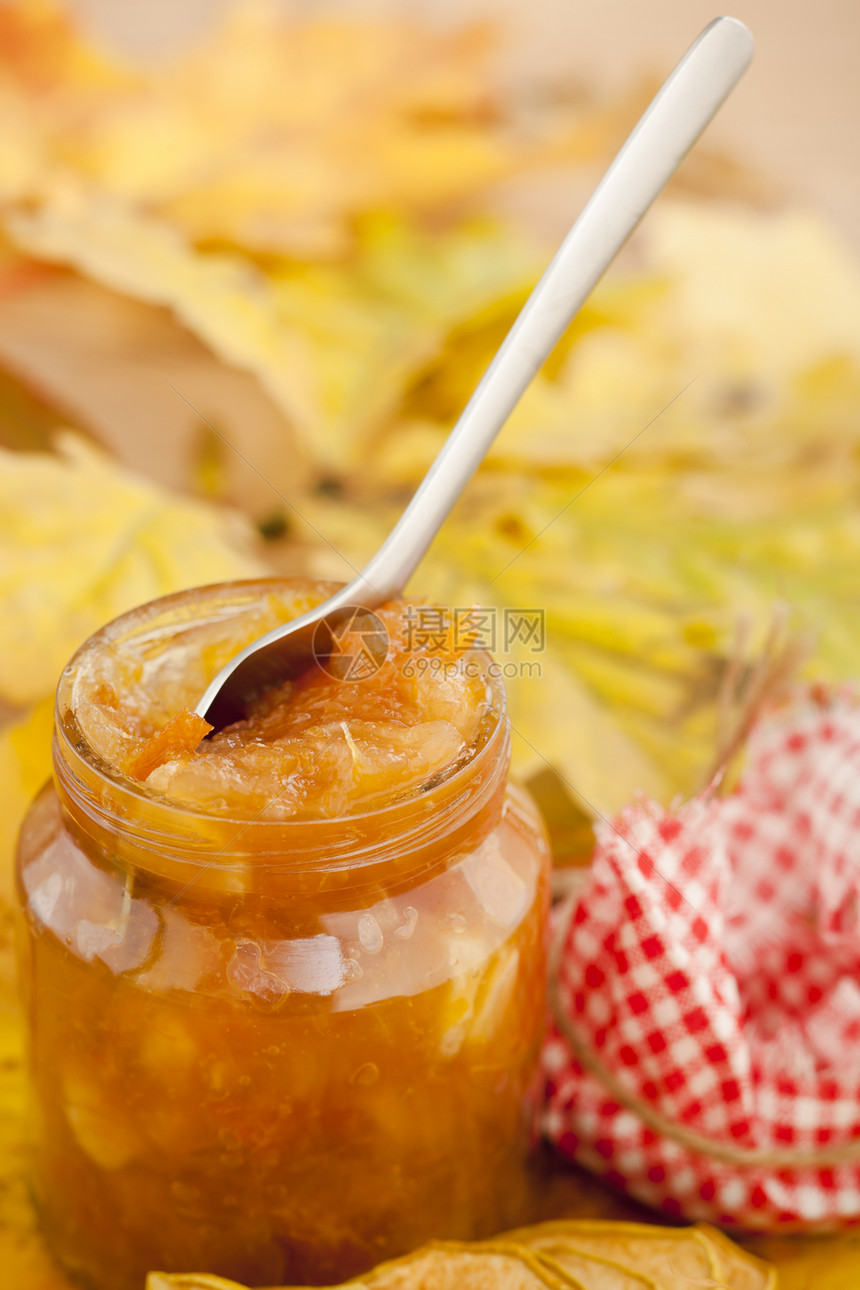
(285,986)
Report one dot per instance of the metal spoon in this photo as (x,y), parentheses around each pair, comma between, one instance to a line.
(669,127)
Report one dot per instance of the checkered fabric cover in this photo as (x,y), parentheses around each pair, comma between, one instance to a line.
(710,965)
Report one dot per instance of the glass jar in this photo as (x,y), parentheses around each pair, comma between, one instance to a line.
(276,1050)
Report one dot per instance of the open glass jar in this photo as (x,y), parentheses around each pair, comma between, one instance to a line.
(275,1049)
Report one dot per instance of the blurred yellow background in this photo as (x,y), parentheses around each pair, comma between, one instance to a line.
(796,114)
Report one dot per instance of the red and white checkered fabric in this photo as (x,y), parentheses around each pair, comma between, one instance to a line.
(712,964)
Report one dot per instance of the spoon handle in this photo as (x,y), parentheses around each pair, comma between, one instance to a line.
(662,137)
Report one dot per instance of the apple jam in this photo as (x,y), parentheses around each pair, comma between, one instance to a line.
(285,987)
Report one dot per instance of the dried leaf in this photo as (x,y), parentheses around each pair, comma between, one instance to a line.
(567,1253)
(25,765)
(243,141)
(82,541)
(225,300)
(144,386)
(24,1258)
(334,347)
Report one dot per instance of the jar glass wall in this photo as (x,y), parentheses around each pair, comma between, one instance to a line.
(276,1050)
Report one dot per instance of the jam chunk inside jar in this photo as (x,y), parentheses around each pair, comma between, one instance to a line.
(285,987)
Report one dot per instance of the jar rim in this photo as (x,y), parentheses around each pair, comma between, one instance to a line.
(111,800)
